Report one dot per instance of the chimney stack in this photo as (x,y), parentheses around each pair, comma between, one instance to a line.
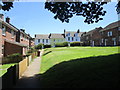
(23,30)
(78,31)
(8,20)
(2,16)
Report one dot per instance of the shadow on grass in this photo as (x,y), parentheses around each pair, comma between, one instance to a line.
(91,72)
(47,53)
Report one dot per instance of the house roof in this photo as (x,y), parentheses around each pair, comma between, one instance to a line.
(42,36)
(72,33)
(56,35)
(112,25)
(92,31)
(8,25)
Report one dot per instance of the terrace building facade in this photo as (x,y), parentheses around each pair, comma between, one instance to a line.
(110,35)
(53,38)
(107,36)
(11,43)
(92,38)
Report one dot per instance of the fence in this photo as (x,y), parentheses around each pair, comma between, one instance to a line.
(15,72)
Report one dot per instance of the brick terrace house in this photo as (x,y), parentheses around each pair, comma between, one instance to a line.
(92,38)
(110,35)
(10,42)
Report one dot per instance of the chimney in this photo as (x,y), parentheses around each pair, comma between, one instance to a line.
(2,16)
(78,31)
(8,20)
(23,30)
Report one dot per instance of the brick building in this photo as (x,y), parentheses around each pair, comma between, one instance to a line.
(12,42)
(110,35)
(92,38)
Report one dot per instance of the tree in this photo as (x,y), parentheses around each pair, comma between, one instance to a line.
(92,11)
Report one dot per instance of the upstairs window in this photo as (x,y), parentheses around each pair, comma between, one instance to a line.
(12,33)
(3,30)
(110,33)
(119,28)
(46,40)
(38,40)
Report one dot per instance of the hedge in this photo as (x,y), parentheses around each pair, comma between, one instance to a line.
(61,44)
(75,44)
(13,58)
(47,46)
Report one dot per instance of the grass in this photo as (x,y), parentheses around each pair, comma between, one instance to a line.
(3,68)
(80,67)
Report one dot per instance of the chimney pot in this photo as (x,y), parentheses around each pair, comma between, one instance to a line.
(8,20)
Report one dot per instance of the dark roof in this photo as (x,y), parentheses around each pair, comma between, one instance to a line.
(72,33)
(92,31)
(42,36)
(112,25)
(55,35)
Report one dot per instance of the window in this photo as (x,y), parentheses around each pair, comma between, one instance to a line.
(110,33)
(76,39)
(72,38)
(68,38)
(46,40)
(54,40)
(43,40)
(3,30)
(119,28)
(38,40)
(119,38)
(102,40)
(12,33)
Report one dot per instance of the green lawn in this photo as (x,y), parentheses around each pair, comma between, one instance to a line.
(80,67)
(3,68)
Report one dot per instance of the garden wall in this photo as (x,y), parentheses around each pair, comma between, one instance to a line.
(13,73)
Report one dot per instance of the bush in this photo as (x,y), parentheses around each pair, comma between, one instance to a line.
(64,44)
(47,46)
(39,46)
(75,44)
(13,58)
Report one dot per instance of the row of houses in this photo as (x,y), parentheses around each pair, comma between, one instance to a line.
(12,39)
(53,38)
(107,36)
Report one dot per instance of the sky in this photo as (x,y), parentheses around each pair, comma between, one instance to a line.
(32,17)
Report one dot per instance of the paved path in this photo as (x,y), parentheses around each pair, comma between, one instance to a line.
(30,78)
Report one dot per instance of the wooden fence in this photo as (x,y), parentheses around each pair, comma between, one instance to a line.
(13,73)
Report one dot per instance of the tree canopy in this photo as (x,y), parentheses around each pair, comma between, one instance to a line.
(92,11)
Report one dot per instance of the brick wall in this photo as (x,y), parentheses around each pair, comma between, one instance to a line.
(10,48)
(0,43)
(110,41)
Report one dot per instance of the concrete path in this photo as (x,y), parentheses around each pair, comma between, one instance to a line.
(30,78)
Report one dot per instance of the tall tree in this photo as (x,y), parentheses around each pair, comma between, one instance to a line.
(92,11)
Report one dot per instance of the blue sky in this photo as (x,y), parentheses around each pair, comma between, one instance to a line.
(32,17)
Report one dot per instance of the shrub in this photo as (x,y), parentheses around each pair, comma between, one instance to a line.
(75,44)
(13,58)
(39,46)
(47,46)
(64,44)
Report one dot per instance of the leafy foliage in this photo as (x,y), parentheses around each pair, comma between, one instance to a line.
(39,46)
(92,11)
(7,6)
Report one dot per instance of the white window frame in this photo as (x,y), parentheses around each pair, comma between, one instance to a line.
(119,28)
(4,30)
